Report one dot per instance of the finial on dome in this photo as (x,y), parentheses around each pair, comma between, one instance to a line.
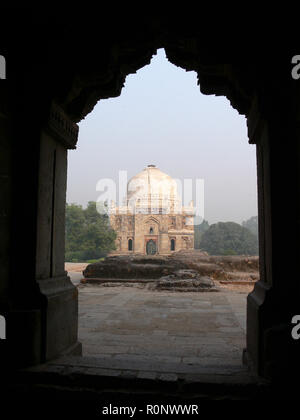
(151,166)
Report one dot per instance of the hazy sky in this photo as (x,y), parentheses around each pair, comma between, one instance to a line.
(162,118)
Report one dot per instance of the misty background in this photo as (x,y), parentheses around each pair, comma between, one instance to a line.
(161,118)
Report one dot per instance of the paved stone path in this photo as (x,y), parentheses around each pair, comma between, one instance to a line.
(135,328)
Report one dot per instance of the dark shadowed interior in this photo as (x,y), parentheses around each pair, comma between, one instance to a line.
(59,65)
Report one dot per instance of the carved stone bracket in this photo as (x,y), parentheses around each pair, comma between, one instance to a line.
(255,123)
(62,127)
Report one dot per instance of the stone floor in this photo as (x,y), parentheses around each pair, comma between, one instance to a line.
(129,327)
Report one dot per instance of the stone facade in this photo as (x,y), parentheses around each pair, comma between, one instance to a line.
(153,220)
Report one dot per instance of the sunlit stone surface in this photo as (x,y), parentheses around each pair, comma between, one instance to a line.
(153,221)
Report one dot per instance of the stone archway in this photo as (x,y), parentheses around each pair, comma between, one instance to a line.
(247,105)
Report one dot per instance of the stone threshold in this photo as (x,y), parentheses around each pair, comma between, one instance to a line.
(89,377)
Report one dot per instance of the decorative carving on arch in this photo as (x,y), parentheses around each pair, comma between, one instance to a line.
(152,219)
(172,222)
(151,225)
(61,127)
(102,75)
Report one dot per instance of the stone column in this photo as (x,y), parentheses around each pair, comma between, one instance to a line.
(271,351)
(42,317)
(139,238)
(61,309)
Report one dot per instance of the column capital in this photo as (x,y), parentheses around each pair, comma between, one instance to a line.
(61,127)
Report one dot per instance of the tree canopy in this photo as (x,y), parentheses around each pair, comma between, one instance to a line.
(252,225)
(229,238)
(198,233)
(88,233)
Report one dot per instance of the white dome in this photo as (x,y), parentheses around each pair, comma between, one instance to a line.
(152,188)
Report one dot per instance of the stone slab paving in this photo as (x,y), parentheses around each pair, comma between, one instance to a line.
(173,332)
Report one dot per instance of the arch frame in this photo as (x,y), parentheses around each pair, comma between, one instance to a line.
(45,298)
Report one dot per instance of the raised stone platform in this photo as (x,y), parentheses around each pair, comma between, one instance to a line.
(185,270)
(132,266)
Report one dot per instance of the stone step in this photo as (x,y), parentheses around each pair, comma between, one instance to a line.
(90,378)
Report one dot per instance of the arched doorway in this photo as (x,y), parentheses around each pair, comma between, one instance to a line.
(172,247)
(130,246)
(271,116)
(151,248)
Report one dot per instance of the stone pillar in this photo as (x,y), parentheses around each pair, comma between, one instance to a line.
(271,350)
(42,317)
(139,234)
(61,311)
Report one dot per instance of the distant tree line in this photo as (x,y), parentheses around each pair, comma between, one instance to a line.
(228,238)
(252,225)
(198,233)
(88,233)
(90,237)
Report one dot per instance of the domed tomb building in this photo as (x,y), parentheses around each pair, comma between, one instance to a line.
(153,221)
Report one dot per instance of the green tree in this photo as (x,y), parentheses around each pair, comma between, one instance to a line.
(251,224)
(198,232)
(88,233)
(75,222)
(229,238)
